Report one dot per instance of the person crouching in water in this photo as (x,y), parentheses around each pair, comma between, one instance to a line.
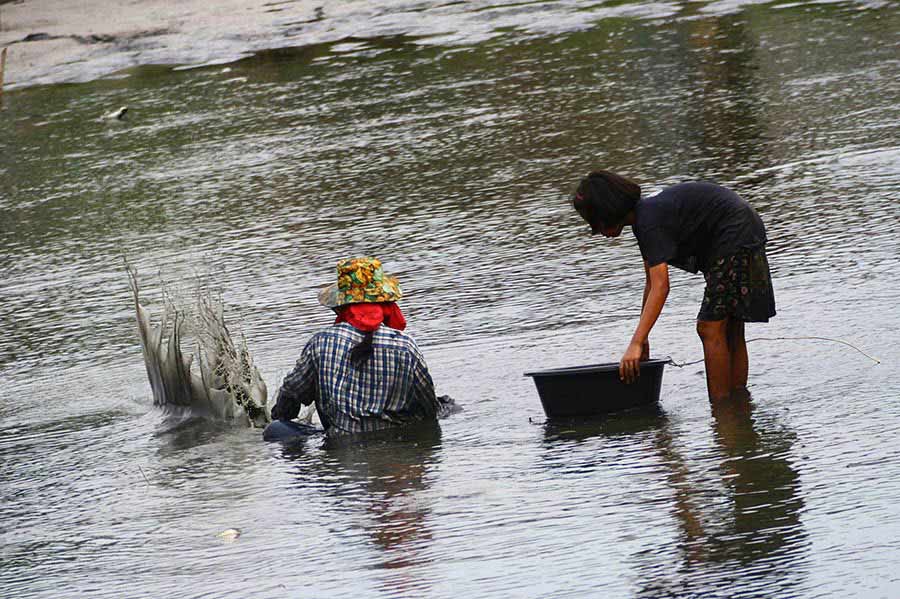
(363,373)
(694,226)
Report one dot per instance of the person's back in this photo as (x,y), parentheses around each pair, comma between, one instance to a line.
(391,387)
(690,224)
(363,373)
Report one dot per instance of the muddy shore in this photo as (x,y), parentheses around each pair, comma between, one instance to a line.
(55,41)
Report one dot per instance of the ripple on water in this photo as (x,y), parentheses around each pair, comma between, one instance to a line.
(450,148)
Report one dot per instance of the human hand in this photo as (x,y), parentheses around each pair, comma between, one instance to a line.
(630,364)
(645,350)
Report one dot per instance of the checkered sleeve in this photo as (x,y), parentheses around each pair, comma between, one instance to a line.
(423,388)
(298,388)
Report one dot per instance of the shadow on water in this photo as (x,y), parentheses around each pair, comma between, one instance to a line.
(379,479)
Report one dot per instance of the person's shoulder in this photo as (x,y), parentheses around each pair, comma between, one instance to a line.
(669,195)
(698,188)
(341,330)
(685,188)
(653,210)
(398,339)
(395,335)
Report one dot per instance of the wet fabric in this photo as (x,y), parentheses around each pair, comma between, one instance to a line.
(391,388)
(690,224)
(368,317)
(739,286)
(286,430)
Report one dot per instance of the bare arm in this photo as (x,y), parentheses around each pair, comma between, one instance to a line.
(645,347)
(646,285)
(656,290)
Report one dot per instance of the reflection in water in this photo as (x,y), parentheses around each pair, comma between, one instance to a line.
(457,160)
(740,515)
(723,127)
(630,422)
(736,510)
(764,485)
(380,480)
(189,433)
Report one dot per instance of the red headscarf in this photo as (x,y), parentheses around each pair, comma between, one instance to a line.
(368,316)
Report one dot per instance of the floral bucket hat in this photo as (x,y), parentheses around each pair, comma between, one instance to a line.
(360,280)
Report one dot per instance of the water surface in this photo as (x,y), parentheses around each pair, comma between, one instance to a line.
(450,150)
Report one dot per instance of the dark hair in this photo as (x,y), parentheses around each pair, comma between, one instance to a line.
(362,351)
(606,197)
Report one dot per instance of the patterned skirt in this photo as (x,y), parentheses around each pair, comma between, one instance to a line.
(739,286)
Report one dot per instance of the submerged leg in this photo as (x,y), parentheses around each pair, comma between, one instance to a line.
(737,346)
(717,357)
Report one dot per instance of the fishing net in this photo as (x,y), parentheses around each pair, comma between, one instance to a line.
(226,385)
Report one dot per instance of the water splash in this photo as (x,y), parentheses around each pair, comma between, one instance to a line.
(228,386)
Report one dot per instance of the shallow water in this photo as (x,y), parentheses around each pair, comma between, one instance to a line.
(449,150)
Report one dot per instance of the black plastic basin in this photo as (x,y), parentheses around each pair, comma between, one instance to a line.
(596,389)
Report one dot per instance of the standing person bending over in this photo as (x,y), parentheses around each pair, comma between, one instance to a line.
(696,227)
(363,373)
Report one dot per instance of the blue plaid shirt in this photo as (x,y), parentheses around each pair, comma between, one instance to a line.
(392,387)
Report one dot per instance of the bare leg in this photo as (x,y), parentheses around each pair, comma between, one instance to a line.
(713,334)
(737,346)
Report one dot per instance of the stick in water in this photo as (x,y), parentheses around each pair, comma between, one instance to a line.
(147,480)
(2,68)
(874,359)
(850,345)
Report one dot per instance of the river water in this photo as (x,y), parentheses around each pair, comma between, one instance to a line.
(449,148)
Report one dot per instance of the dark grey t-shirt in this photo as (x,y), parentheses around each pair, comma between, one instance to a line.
(690,224)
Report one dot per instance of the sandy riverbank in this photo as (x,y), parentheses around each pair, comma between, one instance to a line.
(53,41)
